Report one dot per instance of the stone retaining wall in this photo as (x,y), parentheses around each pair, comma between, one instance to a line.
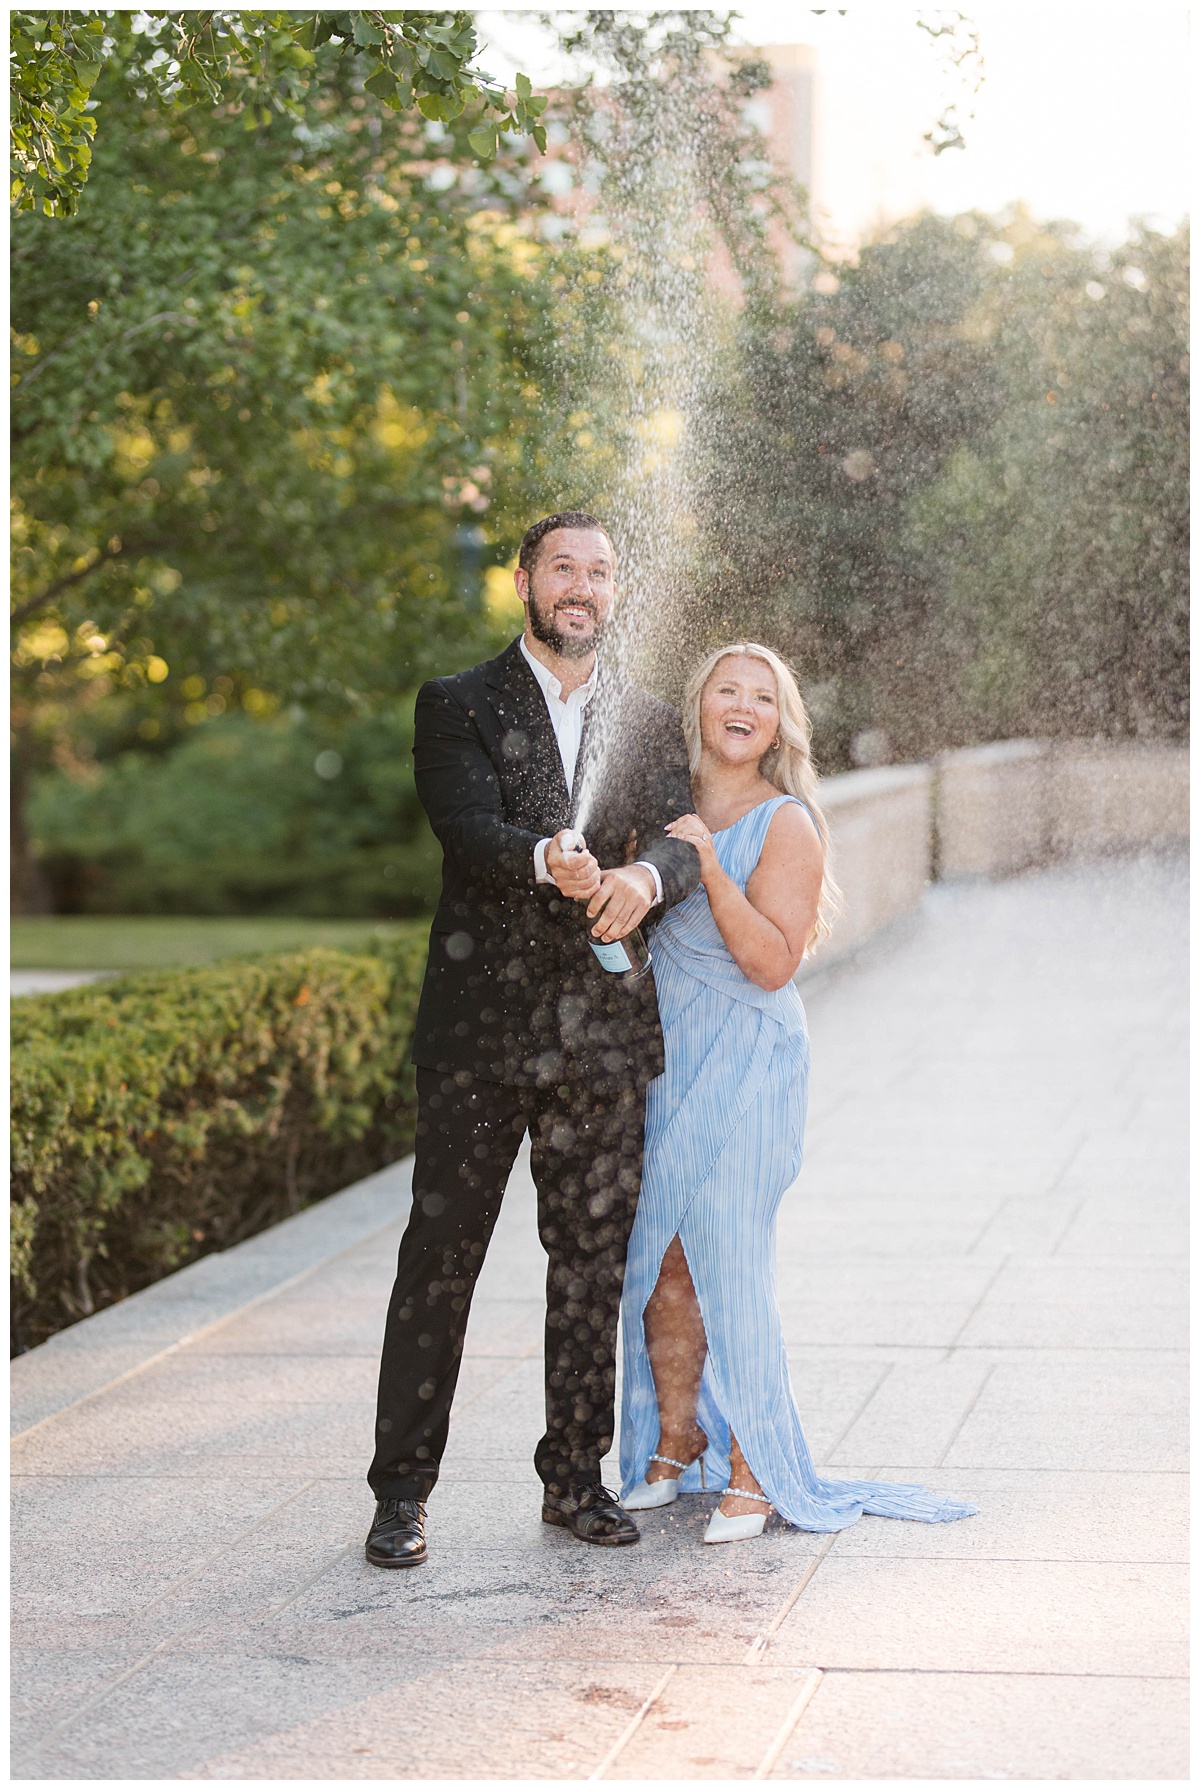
(990,811)
(881,825)
(1000,808)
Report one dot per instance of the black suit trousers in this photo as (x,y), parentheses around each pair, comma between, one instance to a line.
(587,1166)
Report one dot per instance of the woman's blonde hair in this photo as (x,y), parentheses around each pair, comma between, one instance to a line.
(787,764)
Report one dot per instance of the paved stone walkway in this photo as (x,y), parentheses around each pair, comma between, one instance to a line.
(981,1272)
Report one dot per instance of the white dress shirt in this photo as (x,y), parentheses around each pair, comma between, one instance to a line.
(566,718)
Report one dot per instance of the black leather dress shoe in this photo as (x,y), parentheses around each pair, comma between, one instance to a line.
(397,1535)
(591,1512)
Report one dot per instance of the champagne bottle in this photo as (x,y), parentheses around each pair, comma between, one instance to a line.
(628,957)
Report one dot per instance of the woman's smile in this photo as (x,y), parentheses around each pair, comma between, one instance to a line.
(739,710)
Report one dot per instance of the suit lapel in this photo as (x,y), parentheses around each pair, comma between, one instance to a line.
(529,737)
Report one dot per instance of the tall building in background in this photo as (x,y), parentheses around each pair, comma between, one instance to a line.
(861,156)
(786,114)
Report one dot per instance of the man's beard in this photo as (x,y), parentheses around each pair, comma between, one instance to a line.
(567,646)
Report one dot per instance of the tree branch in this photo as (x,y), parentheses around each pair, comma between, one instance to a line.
(112,347)
(30,607)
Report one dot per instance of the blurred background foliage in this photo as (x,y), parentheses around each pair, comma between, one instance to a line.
(247,816)
(285,398)
(954,488)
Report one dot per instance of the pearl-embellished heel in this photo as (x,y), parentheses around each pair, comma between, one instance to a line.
(651,1495)
(654,1494)
(734,1528)
(737,1528)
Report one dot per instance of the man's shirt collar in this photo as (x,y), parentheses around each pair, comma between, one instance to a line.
(552,686)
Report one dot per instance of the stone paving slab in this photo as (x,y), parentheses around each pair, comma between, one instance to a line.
(959,1725)
(979,1276)
(1074,1617)
(1042,1514)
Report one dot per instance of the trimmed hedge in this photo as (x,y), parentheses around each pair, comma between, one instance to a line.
(164,1115)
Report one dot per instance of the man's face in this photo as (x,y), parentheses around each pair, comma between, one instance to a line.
(569,594)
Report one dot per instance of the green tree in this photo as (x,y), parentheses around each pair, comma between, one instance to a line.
(259,62)
(316,815)
(1060,544)
(842,408)
(266,384)
(952,483)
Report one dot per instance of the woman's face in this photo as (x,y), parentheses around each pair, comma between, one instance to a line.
(739,710)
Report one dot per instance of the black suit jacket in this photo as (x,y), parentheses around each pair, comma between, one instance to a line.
(513,992)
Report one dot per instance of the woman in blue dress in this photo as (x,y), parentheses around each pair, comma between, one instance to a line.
(707,1398)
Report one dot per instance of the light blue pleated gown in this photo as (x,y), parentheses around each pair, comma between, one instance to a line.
(724,1139)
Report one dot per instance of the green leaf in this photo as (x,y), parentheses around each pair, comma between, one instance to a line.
(382,84)
(440,106)
(484,141)
(524,87)
(538,134)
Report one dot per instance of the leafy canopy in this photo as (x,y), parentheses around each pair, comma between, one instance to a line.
(265,389)
(260,63)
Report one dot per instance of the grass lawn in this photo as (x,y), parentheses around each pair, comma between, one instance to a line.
(161,941)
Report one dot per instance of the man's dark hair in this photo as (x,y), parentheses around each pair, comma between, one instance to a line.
(531,545)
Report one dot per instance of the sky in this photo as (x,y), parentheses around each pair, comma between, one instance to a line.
(1083,111)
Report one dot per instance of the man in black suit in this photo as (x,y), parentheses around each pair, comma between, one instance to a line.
(519,1027)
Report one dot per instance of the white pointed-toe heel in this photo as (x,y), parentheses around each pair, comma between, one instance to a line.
(737,1528)
(651,1495)
(654,1494)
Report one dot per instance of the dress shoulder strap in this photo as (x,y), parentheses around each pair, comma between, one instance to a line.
(755,824)
(760,819)
(771,807)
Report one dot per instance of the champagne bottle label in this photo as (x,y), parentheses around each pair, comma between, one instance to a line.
(628,957)
(614,957)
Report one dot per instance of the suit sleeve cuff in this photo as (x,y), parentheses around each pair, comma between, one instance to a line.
(540,873)
(658,888)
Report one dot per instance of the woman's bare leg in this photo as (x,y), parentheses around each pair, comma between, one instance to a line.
(740,1479)
(678,1347)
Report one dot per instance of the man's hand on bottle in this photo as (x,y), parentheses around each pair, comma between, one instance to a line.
(622,901)
(577,873)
